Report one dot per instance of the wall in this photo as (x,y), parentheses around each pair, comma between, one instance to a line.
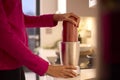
(48,39)
(48,6)
(79,7)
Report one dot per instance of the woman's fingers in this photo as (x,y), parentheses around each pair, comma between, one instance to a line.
(71,20)
(61,71)
(70,17)
(68,71)
(71,73)
(70,67)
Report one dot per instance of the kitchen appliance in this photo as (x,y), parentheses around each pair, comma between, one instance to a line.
(69,48)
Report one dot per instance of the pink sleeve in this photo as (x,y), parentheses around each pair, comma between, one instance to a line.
(40,21)
(15,48)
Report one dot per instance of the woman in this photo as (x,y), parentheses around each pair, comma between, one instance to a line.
(14,52)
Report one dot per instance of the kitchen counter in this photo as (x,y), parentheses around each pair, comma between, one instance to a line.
(86,74)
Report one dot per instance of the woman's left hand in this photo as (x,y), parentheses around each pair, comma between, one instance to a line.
(70,17)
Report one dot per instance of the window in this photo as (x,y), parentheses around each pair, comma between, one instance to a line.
(30,8)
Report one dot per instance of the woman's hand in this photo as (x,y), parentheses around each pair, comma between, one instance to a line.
(71,17)
(61,71)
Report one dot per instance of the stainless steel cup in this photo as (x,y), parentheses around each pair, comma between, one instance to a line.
(70,53)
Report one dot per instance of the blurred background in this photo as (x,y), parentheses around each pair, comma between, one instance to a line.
(98,33)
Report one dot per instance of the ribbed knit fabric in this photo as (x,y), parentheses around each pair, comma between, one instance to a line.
(14,51)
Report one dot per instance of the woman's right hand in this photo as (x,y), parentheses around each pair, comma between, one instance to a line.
(67,17)
(61,71)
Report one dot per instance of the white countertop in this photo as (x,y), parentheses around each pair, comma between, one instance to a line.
(84,75)
(88,74)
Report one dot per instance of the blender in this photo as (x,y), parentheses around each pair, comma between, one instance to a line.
(69,48)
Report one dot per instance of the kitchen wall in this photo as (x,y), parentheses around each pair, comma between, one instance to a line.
(87,30)
(49,36)
(81,7)
(48,6)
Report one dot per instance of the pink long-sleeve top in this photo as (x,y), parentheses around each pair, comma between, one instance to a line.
(14,51)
